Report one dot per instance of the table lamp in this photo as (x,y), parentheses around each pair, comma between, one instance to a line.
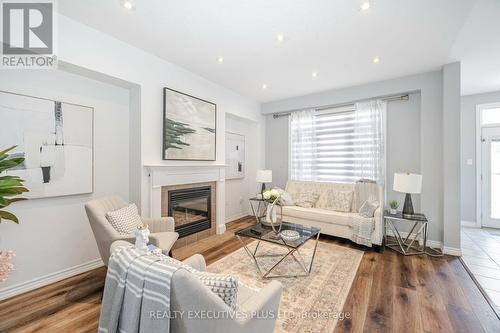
(408,183)
(264,176)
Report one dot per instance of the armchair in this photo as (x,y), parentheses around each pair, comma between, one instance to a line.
(188,295)
(162,229)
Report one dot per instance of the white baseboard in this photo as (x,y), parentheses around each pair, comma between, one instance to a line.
(452,251)
(471,224)
(42,281)
(236,217)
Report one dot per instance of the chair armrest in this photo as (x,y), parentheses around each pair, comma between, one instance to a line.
(159,225)
(163,240)
(197,262)
(268,299)
(116,244)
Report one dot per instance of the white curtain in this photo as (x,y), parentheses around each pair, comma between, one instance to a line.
(303,145)
(369,129)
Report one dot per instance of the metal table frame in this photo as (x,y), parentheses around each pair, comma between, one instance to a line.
(408,245)
(291,251)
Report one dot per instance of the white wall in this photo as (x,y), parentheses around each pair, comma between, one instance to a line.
(431,164)
(54,234)
(90,53)
(85,47)
(238,191)
(468,151)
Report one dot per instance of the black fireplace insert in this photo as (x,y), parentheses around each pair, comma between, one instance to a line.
(191,209)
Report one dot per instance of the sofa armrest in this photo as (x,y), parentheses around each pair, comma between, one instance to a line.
(159,224)
(378,225)
(197,262)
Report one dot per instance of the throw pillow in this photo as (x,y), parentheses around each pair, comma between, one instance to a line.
(340,201)
(125,220)
(306,199)
(285,197)
(368,208)
(223,285)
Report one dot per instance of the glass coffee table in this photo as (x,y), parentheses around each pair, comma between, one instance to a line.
(266,234)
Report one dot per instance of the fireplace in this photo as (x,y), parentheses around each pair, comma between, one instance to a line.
(191,209)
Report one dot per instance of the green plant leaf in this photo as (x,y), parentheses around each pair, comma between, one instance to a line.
(12,182)
(4,152)
(8,216)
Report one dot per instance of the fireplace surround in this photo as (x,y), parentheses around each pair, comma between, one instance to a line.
(164,178)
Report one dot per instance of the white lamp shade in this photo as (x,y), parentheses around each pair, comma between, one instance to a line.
(407,183)
(264,176)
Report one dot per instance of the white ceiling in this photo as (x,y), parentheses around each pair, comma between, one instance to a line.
(333,37)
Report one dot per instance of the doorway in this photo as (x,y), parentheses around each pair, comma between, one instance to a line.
(488,168)
(490,192)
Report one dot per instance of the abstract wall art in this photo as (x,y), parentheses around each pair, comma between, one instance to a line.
(56,140)
(189,127)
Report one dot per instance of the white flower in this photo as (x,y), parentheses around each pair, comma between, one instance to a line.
(267,195)
(275,193)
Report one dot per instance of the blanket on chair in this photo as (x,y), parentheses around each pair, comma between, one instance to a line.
(137,292)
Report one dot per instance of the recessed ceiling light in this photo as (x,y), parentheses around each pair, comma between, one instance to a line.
(220,60)
(264,86)
(376,60)
(365,5)
(314,74)
(280,37)
(127,4)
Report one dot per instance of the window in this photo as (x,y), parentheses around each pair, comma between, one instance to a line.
(490,115)
(339,145)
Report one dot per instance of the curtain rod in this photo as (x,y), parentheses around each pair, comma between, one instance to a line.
(387,99)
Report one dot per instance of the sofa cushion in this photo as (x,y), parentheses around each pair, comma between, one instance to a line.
(306,199)
(340,201)
(368,208)
(317,214)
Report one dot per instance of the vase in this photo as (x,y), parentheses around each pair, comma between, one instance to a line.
(393,211)
(271,217)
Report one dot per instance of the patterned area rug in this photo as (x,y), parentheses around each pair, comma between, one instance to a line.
(308,304)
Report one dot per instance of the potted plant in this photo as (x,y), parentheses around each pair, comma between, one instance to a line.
(10,186)
(393,204)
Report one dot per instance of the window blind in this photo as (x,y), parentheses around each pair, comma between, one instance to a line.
(341,146)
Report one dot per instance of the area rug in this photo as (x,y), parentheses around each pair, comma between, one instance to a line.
(308,304)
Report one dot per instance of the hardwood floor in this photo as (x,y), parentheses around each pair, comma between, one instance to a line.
(391,293)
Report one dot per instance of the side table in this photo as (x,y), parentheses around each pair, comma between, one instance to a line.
(415,241)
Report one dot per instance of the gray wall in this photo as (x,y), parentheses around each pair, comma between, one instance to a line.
(468,150)
(403,144)
(451,155)
(430,122)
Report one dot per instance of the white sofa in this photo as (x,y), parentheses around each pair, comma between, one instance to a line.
(331,222)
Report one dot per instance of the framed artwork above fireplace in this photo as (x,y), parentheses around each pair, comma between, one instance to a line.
(189,127)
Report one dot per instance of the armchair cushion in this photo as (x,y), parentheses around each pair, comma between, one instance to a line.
(163,240)
(125,220)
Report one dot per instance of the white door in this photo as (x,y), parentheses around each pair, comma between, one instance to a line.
(490,151)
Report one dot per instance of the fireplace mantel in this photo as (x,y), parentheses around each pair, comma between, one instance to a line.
(184,173)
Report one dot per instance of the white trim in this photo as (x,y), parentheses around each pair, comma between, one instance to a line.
(452,251)
(45,280)
(236,217)
(469,224)
(434,244)
(479,167)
